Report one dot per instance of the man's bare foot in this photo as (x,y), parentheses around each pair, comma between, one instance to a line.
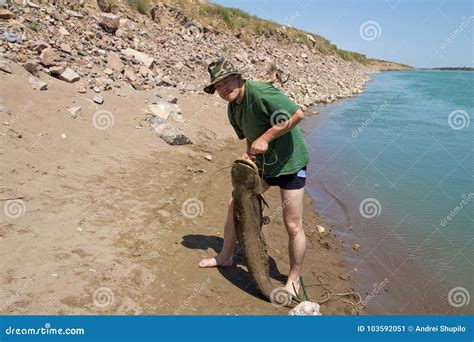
(290,289)
(216,262)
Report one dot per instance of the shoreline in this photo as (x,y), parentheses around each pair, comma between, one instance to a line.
(397,294)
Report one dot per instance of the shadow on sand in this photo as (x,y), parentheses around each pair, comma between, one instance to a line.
(235,274)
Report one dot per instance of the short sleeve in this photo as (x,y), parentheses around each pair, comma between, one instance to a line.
(237,129)
(278,106)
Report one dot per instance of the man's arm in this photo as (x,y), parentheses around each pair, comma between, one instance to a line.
(261,144)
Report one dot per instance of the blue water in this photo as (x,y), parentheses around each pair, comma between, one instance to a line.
(404,148)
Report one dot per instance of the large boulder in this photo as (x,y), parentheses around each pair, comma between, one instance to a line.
(109,22)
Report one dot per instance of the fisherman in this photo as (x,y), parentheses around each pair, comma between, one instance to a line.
(267,120)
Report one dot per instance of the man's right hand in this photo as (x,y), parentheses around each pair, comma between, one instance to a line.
(248,156)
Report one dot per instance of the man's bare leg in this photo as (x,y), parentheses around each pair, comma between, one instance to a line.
(292,201)
(226,255)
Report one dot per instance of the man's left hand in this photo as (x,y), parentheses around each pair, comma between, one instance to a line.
(259,146)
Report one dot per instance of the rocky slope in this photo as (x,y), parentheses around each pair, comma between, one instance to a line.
(127,51)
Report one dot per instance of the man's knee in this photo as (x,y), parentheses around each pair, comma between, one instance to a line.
(294,228)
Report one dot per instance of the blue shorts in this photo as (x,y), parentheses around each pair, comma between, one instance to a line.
(292,181)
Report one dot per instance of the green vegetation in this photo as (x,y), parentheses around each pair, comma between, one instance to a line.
(239,21)
(141,6)
(33,26)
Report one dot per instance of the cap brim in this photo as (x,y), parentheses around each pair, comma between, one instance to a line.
(211,89)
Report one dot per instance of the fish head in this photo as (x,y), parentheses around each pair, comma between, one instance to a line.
(245,174)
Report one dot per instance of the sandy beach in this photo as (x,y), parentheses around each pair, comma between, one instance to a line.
(115,221)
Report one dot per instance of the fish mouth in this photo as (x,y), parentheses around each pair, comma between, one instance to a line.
(247,163)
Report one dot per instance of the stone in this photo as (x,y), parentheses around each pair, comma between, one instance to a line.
(75,112)
(56,70)
(5,110)
(38,84)
(321,229)
(32,67)
(130,75)
(6,14)
(39,46)
(63,31)
(144,71)
(74,14)
(5,67)
(65,48)
(208,157)
(96,89)
(164,110)
(140,57)
(109,22)
(169,133)
(69,76)
(81,89)
(114,62)
(32,4)
(49,57)
(172,99)
(98,99)
(108,71)
(356,247)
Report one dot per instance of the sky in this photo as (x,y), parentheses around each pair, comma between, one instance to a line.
(420,33)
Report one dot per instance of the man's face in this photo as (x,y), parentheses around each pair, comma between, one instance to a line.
(229,88)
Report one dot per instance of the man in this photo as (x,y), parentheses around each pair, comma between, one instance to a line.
(267,120)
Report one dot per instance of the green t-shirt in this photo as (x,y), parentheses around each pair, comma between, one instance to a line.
(262,106)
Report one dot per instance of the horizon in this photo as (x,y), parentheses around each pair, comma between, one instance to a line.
(388,30)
